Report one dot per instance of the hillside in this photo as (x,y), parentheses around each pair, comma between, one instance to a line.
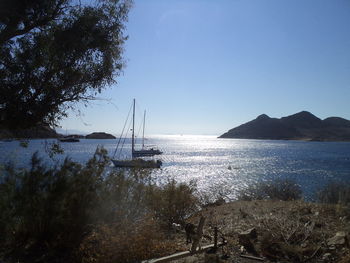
(300,126)
(39,131)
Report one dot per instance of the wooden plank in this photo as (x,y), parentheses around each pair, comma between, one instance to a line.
(181,254)
(252,257)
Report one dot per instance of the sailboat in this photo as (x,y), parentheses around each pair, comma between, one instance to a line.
(137,162)
(145,151)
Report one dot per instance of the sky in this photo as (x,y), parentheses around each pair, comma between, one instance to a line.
(206,66)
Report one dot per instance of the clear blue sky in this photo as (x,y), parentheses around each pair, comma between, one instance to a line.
(205,66)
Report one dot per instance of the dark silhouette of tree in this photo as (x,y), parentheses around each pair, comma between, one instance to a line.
(55,53)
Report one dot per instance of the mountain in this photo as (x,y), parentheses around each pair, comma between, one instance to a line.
(300,126)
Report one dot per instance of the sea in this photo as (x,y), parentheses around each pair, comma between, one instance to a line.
(225,165)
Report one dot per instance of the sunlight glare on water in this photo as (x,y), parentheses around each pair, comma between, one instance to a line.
(226,164)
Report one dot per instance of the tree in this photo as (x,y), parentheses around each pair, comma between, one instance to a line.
(55,53)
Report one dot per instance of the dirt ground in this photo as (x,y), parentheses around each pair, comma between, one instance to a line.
(275,231)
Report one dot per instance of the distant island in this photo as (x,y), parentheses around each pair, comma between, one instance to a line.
(300,126)
(100,135)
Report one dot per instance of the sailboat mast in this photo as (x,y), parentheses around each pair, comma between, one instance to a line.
(143,133)
(133,128)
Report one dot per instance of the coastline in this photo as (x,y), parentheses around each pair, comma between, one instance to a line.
(303,139)
(46,132)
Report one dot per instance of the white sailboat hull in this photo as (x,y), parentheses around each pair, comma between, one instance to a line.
(146,152)
(137,163)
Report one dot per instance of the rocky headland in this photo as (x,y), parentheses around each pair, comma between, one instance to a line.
(46,132)
(299,126)
(37,132)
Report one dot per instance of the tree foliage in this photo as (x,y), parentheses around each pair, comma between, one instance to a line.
(55,53)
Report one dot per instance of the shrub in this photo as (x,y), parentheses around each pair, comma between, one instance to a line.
(58,214)
(125,242)
(172,202)
(279,189)
(47,211)
(335,193)
(216,194)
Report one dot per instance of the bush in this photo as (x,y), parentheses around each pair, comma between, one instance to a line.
(58,214)
(47,211)
(279,189)
(172,202)
(125,242)
(335,193)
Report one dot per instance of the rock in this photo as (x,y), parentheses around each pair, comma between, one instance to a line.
(338,240)
(176,227)
(344,218)
(326,257)
(100,135)
(245,239)
(250,233)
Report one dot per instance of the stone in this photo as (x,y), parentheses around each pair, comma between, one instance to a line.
(338,240)
(245,239)
(250,233)
(326,257)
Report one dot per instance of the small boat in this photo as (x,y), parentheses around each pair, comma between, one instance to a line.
(69,139)
(138,162)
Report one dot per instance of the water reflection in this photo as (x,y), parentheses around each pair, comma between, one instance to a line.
(216,162)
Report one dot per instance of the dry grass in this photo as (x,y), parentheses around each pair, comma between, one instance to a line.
(125,243)
(292,231)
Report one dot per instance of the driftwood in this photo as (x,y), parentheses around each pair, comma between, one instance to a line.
(195,248)
(181,254)
(252,257)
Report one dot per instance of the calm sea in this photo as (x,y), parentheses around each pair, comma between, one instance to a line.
(225,164)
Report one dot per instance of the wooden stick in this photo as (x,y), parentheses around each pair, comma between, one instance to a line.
(198,236)
(252,257)
(181,254)
(216,237)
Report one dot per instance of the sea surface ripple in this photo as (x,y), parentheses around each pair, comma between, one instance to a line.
(227,165)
